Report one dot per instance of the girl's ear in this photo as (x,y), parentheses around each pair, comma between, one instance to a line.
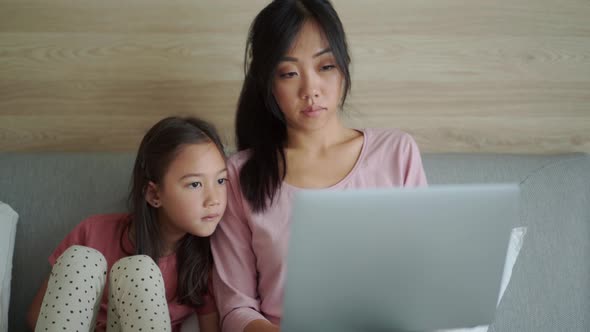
(152,196)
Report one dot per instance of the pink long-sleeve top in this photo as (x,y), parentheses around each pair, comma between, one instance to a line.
(250,249)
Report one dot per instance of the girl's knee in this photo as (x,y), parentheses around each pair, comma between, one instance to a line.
(137,292)
(80,258)
(137,265)
(73,291)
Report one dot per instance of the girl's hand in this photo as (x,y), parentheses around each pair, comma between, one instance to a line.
(209,322)
(35,307)
(261,326)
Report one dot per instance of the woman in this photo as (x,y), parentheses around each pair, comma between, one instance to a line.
(289,137)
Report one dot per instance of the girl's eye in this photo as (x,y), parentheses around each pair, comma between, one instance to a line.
(195,184)
(328,67)
(288,75)
(222,181)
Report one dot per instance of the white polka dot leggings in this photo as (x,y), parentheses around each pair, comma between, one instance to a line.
(137,299)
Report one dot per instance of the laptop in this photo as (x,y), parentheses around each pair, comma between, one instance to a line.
(419,259)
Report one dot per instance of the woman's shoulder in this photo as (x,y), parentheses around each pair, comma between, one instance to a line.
(396,150)
(379,138)
(237,159)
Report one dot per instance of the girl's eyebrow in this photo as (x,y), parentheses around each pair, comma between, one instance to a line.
(200,174)
(292,59)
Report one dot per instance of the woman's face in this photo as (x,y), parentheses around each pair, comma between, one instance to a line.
(308,83)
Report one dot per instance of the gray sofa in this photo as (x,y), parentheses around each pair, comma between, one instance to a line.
(550,285)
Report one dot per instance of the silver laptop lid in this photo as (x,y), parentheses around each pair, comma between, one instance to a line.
(397,259)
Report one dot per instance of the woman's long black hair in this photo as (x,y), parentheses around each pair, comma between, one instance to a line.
(260,124)
(157,150)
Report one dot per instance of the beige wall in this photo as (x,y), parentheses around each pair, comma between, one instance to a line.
(470,76)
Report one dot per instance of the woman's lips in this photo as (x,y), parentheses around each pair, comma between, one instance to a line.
(313,110)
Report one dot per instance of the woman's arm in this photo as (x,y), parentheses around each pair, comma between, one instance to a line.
(414,174)
(235,281)
(35,307)
(209,322)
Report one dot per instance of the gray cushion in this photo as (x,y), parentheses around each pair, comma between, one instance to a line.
(550,287)
(52,193)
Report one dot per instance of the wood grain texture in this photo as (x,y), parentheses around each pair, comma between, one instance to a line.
(461,76)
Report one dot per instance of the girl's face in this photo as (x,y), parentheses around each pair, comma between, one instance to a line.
(308,84)
(192,195)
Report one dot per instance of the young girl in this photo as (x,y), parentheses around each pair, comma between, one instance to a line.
(178,196)
(290,136)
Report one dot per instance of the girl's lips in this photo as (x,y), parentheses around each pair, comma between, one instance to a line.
(210,217)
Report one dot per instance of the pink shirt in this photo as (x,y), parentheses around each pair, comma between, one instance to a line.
(250,248)
(103,233)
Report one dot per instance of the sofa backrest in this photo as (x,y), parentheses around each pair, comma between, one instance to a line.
(550,286)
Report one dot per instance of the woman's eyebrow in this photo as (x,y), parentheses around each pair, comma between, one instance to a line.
(293,59)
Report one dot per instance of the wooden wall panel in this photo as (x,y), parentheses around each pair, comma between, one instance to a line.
(461,76)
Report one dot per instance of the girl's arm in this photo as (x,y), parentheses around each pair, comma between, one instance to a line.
(209,322)
(35,307)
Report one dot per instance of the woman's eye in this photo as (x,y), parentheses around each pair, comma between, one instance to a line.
(288,75)
(222,181)
(328,67)
(195,184)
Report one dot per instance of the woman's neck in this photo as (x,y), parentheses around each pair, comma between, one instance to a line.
(318,140)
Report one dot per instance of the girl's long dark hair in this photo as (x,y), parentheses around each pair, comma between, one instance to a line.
(260,124)
(157,150)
